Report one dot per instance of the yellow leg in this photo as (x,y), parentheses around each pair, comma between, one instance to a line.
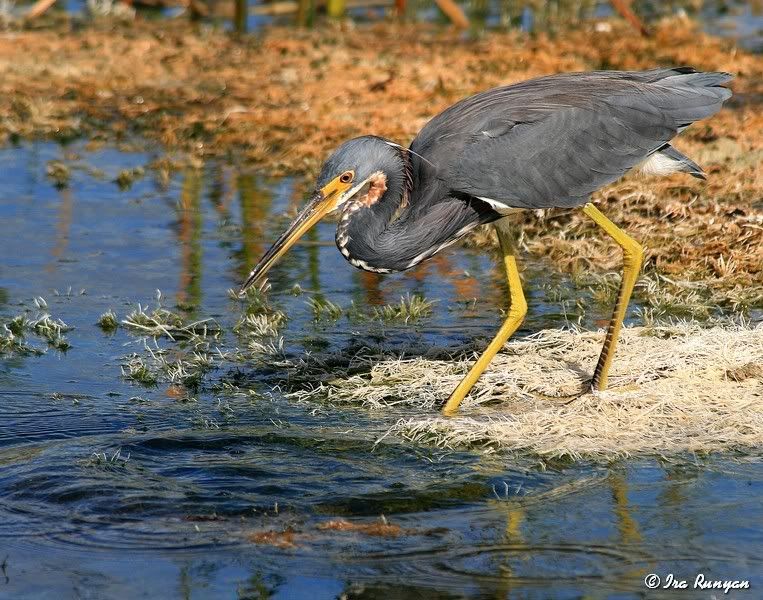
(632,257)
(517,312)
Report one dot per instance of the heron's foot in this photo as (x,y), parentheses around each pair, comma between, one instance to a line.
(450,407)
(566,399)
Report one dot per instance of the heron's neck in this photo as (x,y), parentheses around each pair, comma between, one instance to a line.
(367,217)
(393,227)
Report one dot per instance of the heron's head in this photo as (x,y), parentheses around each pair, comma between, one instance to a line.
(353,167)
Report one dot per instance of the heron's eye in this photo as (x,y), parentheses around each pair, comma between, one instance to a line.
(346,177)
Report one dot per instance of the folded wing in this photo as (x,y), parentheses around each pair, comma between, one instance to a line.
(552,141)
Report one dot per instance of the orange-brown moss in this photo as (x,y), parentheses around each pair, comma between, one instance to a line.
(377,529)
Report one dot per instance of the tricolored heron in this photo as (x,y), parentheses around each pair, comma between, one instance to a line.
(544,143)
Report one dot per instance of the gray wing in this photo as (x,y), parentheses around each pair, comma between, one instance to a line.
(553,141)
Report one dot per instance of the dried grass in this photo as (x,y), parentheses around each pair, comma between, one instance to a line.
(673,389)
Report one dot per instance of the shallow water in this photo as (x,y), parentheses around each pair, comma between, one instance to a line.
(110,490)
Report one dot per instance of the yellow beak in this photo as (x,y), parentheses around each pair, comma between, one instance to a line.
(323,202)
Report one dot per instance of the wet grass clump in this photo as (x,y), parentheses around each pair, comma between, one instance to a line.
(258,329)
(161,322)
(11,343)
(324,310)
(198,347)
(49,328)
(108,321)
(127,177)
(15,333)
(135,368)
(184,365)
(156,323)
(260,326)
(254,299)
(173,367)
(17,325)
(661,297)
(410,308)
(189,372)
(58,173)
(259,334)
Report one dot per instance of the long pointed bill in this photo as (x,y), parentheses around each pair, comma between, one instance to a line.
(323,202)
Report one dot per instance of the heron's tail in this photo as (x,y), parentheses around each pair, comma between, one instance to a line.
(704,79)
(692,95)
(689,95)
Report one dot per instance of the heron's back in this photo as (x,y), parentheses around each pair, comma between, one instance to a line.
(554,140)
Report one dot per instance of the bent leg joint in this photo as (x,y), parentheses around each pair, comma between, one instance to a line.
(517,311)
(633,255)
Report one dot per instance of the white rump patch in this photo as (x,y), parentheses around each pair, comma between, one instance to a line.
(659,164)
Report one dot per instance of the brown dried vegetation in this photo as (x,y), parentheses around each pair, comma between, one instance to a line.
(290,537)
(377,529)
(279,539)
(284,99)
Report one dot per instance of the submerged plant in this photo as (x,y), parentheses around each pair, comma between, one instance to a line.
(199,421)
(58,173)
(324,309)
(127,177)
(100,459)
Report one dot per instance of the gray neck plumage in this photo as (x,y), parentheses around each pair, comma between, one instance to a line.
(390,226)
